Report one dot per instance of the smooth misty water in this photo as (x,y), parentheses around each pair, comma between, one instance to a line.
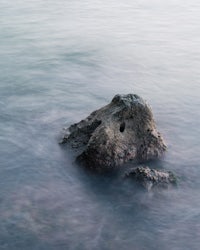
(60,60)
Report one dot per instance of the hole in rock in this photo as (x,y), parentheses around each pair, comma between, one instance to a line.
(122,127)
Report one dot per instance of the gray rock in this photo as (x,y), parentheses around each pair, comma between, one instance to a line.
(121,131)
(151,178)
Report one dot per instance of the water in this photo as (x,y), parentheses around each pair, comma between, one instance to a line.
(60,60)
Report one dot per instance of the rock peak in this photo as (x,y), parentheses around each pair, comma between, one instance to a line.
(129,100)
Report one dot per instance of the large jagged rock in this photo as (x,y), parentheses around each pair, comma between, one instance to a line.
(121,131)
(152,178)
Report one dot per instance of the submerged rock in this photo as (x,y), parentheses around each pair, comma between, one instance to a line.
(121,131)
(151,178)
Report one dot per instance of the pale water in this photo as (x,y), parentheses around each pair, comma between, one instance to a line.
(60,60)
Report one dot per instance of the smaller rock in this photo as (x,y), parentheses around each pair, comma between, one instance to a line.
(151,178)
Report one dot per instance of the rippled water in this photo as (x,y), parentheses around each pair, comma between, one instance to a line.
(60,60)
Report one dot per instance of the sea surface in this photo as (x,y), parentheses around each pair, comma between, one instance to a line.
(59,61)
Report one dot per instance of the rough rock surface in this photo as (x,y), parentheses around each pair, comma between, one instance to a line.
(121,131)
(151,178)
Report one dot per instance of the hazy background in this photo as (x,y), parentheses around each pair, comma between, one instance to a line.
(60,60)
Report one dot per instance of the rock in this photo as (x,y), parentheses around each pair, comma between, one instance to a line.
(151,178)
(121,131)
